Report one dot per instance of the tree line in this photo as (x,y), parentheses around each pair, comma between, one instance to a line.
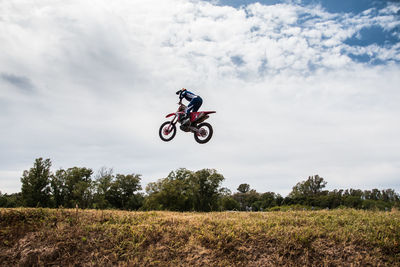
(181,190)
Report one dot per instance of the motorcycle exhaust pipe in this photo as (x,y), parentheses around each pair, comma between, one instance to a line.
(194,129)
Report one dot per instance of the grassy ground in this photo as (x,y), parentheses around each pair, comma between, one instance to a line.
(295,238)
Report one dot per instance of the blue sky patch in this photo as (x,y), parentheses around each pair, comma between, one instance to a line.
(363,58)
(372,35)
(349,6)
(254,29)
(237,60)
(332,6)
(368,59)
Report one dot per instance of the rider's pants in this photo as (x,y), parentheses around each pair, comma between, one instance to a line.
(194,105)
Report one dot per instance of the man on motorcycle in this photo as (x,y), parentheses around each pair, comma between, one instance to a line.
(195,103)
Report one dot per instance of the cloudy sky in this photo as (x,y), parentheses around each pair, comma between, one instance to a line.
(300,88)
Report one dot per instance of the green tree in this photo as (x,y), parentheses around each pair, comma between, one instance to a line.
(247,198)
(35,184)
(184,190)
(11,201)
(103,182)
(3,200)
(122,193)
(205,185)
(72,187)
(243,188)
(228,203)
(58,189)
(373,194)
(171,193)
(389,195)
(311,187)
(270,199)
(354,193)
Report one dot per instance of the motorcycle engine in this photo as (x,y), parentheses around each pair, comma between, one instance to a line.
(184,128)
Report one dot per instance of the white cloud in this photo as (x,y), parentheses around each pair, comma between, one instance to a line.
(290,102)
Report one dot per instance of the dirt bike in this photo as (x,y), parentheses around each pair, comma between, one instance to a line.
(202,131)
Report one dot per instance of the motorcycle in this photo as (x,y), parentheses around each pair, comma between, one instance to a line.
(202,131)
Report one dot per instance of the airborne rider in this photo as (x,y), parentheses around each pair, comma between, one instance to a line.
(195,103)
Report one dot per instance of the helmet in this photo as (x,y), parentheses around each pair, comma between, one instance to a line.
(178,92)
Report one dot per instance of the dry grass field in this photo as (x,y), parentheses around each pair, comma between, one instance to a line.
(60,237)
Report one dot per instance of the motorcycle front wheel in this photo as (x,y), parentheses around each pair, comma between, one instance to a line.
(205,133)
(167,131)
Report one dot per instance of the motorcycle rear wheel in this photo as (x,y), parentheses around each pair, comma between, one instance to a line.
(205,133)
(167,131)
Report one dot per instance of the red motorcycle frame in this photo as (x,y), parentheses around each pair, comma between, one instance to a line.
(202,131)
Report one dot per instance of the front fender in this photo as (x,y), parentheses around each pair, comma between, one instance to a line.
(169,115)
(172,114)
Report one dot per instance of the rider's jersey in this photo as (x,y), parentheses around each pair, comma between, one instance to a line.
(187,95)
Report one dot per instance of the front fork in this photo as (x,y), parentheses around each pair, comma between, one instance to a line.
(173,122)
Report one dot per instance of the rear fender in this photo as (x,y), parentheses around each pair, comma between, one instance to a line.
(200,116)
(201,119)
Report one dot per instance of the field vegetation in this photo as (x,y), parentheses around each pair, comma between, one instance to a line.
(63,237)
(181,190)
